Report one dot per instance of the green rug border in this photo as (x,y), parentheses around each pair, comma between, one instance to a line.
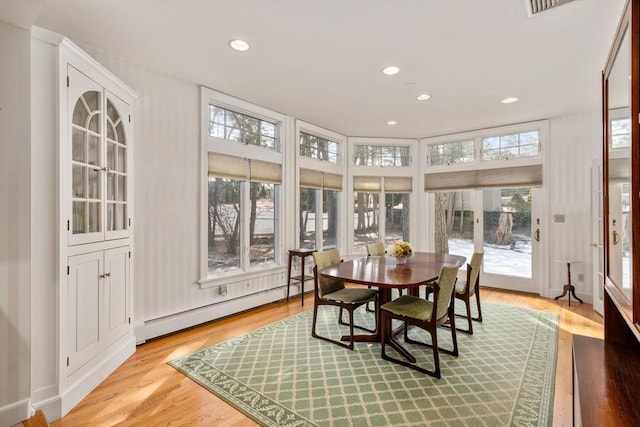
(286,417)
(523,413)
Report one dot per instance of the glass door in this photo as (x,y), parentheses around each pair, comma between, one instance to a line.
(501,222)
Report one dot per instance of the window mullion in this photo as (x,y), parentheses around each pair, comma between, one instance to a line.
(245,238)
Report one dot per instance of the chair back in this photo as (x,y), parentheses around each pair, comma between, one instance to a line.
(446,283)
(375,249)
(476,263)
(324,259)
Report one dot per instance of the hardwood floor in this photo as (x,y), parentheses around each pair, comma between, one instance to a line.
(145,391)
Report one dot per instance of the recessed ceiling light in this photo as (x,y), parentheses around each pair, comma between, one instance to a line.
(423,97)
(391,70)
(392,123)
(509,100)
(240,45)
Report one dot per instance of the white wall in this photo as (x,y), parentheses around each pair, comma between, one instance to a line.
(44,222)
(574,142)
(15,227)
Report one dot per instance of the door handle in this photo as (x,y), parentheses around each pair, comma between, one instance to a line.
(536,235)
(616,237)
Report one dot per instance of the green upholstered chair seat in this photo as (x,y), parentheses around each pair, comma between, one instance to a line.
(461,285)
(352,295)
(410,306)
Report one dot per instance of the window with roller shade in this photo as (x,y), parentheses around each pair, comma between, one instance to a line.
(240,186)
(319,209)
(381,210)
(241,195)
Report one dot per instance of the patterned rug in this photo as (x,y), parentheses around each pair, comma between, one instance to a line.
(280,375)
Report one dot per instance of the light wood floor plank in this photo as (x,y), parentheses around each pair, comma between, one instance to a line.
(145,391)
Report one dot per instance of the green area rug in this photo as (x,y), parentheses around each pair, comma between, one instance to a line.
(280,375)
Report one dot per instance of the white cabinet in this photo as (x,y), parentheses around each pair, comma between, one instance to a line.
(96,244)
(98,304)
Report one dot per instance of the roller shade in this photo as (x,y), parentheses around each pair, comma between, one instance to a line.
(523,176)
(310,178)
(316,179)
(366,184)
(332,181)
(398,184)
(619,170)
(227,166)
(265,172)
(233,167)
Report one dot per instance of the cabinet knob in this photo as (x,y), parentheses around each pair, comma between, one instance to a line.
(105,275)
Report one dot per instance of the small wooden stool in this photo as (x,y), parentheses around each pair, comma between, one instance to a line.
(302,253)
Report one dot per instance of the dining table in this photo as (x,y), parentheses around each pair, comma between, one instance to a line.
(384,273)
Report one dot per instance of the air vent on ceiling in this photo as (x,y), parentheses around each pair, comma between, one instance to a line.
(537,6)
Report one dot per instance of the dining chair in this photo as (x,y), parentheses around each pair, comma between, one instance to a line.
(465,289)
(375,249)
(425,314)
(335,293)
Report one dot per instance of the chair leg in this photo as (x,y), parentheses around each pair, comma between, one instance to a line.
(454,337)
(313,324)
(340,343)
(469,329)
(369,309)
(436,356)
(479,318)
(343,323)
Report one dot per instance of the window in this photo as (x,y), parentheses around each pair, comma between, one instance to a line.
(319,203)
(241,188)
(234,126)
(451,152)
(365,223)
(381,210)
(319,148)
(620,133)
(312,219)
(525,144)
(381,155)
(238,186)
(224,224)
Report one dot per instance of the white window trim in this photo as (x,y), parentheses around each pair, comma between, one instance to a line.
(223,146)
(387,171)
(304,162)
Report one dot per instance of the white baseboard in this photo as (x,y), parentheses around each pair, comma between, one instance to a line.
(15,412)
(176,322)
(80,388)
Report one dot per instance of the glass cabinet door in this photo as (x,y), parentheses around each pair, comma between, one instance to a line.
(86,131)
(98,129)
(117,152)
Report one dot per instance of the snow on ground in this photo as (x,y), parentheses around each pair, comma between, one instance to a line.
(498,259)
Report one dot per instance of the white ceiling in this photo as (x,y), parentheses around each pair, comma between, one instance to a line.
(321,61)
